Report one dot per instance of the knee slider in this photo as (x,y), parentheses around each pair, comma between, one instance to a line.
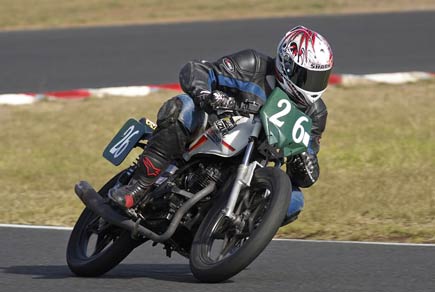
(169,112)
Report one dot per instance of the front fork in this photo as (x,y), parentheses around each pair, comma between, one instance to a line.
(245,172)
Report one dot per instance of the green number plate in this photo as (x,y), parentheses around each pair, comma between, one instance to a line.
(286,127)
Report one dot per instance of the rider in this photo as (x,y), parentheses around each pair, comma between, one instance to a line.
(301,68)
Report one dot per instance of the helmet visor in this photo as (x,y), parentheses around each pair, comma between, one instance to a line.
(309,80)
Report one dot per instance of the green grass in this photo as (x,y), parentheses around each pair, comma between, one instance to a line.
(46,148)
(17,14)
(377,161)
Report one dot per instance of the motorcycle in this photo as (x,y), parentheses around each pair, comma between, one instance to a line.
(219,206)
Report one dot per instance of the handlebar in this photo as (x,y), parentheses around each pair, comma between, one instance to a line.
(244,107)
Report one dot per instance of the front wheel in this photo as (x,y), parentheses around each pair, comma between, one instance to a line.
(223,247)
(95,246)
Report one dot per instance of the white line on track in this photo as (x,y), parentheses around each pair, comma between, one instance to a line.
(275,239)
(357,242)
(36,226)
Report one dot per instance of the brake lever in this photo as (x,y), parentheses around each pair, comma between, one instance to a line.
(250,107)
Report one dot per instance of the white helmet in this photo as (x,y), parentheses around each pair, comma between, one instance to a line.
(303,64)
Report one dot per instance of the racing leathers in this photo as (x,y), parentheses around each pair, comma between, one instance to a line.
(246,75)
(250,75)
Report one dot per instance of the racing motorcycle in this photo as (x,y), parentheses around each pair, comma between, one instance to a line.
(219,206)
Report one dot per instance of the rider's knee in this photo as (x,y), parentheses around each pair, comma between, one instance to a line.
(180,108)
(169,112)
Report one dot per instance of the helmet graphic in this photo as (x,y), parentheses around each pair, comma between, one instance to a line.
(303,64)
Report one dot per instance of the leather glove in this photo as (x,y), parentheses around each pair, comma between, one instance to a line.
(303,169)
(217,100)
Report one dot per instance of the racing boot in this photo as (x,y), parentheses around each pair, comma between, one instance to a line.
(150,166)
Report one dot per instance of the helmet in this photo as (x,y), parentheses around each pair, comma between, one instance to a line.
(303,64)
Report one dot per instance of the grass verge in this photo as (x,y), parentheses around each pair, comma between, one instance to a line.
(377,161)
(51,13)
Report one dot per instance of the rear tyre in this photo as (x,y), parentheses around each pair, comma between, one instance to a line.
(222,248)
(95,247)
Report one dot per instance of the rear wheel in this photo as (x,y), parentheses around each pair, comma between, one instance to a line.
(95,246)
(223,247)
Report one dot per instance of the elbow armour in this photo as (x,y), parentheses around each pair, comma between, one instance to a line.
(196,79)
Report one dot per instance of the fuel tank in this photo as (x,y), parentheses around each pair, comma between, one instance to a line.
(226,138)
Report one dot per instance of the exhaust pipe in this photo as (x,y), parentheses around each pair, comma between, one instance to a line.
(99,206)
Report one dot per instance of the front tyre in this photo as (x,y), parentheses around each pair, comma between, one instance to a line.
(95,247)
(221,247)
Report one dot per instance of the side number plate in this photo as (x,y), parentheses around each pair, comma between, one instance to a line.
(124,141)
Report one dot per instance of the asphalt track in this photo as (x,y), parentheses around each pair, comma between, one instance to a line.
(34,260)
(45,60)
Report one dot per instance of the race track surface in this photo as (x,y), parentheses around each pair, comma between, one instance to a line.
(34,260)
(152,54)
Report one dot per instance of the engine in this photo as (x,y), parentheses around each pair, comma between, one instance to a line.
(160,210)
(201,177)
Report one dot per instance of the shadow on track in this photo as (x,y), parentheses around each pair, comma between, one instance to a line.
(173,273)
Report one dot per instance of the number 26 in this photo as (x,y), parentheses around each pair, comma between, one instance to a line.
(287,108)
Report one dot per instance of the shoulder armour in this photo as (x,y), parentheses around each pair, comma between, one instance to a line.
(250,61)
